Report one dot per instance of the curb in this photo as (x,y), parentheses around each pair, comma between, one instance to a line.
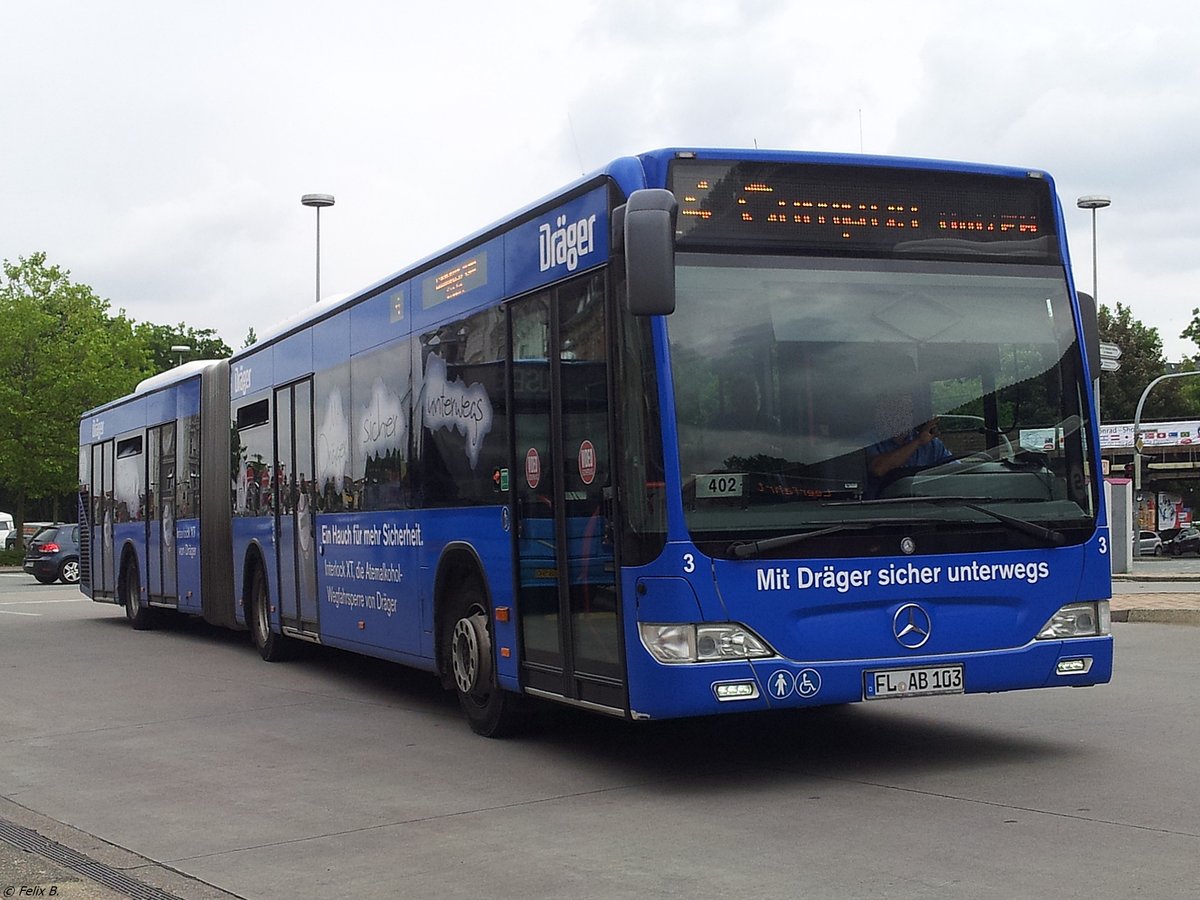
(1156,578)
(1157,616)
(50,858)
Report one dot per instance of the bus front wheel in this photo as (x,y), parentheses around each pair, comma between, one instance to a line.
(491,711)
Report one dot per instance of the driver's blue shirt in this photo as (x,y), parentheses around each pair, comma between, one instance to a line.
(924,455)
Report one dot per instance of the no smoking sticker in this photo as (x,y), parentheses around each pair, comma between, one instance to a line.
(587,462)
(533,468)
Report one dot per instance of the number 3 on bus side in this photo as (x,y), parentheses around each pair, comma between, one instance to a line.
(689,563)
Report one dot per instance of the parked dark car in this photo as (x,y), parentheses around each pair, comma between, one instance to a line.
(53,555)
(29,530)
(1187,541)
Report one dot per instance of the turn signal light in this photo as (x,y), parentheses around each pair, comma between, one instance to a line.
(1079,666)
(735,690)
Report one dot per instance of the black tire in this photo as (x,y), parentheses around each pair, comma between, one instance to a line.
(271,646)
(140,617)
(68,572)
(46,579)
(468,651)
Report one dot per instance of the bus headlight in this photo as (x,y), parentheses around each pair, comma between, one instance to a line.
(1078,620)
(687,643)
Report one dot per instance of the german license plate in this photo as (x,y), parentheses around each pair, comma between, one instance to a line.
(919,682)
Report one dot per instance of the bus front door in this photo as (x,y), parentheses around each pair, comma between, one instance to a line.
(568,605)
(294,497)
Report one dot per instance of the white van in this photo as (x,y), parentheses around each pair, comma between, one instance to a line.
(6,527)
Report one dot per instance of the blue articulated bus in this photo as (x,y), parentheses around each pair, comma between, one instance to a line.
(706,431)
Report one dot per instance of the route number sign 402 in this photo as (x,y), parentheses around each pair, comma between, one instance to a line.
(718,485)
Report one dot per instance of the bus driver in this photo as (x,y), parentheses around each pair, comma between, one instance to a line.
(907,446)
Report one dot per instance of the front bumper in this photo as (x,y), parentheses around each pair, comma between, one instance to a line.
(668,691)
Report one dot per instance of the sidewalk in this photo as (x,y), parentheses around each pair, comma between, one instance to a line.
(1157,600)
(1164,608)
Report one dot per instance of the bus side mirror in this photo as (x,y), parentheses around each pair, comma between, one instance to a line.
(645,230)
(1091,331)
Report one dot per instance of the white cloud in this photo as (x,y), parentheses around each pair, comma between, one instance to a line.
(159,151)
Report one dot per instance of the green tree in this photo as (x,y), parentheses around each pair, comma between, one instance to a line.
(159,339)
(1189,388)
(251,338)
(1142,361)
(1192,332)
(61,353)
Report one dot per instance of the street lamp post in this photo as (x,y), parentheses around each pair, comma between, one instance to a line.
(317,201)
(1094,202)
(180,349)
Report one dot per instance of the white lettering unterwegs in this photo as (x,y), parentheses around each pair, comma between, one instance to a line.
(455,406)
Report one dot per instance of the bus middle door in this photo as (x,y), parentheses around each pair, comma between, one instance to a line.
(293,494)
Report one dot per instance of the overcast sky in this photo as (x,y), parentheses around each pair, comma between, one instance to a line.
(158,150)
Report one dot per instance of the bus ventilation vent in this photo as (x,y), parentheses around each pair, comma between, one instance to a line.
(85,541)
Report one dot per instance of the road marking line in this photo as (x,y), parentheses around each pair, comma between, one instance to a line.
(9,612)
(27,602)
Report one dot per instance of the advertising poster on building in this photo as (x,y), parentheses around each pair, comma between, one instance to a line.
(1170,511)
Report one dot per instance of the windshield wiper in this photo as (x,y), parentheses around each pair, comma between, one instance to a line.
(1050,535)
(744,549)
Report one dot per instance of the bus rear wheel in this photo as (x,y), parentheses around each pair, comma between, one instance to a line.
(491,711)
(271,646)
(140,617)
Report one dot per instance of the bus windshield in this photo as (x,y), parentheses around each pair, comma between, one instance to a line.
(840,398)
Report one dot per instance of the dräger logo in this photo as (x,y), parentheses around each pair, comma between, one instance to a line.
(566,243)
(241,379)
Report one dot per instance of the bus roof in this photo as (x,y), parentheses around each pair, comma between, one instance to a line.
(172,376)
(157,383)
(629,173)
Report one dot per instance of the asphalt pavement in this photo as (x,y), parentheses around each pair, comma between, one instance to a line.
(1157,590)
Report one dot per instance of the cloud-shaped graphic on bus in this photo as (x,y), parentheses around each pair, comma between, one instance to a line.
(333,442)
(129,492)
(456,407)
(382,427)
